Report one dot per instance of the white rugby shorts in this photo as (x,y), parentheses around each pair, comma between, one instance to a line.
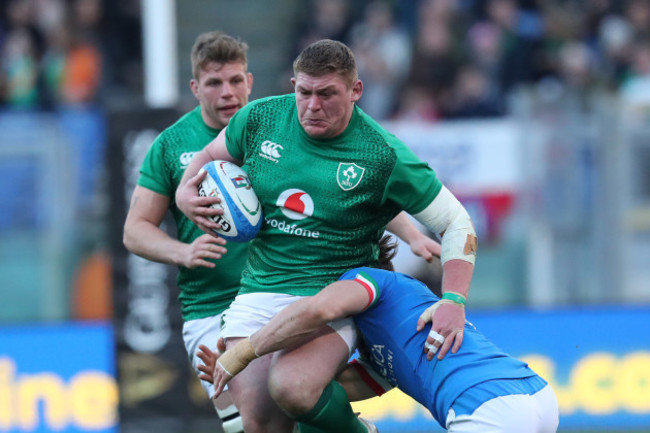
(249,312)
(517,413)
(205,331)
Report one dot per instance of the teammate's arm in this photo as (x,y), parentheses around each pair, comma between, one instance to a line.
(144,237)
(340,299)
(421,244)
(196,208)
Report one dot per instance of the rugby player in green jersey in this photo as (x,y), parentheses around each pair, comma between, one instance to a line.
(329,179)
(208,276)
(221,84)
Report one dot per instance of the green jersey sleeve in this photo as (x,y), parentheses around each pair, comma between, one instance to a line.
(413,185)
(153,174)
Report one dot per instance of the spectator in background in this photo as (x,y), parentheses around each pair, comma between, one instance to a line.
(519,34)
(21,51)
(637,13)
(82,72)
(436,58)
(593,13)
(49,14)
(576,65)
(323,19)
(19,70)
(417,103)
(318,19)
(83,61)
(473,96)
(383,55)
(615,38)
(53,66)
(482,45)
(636,87)
(21,14)
(51,17)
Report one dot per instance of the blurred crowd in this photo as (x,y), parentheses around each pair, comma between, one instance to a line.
(50,52)
(419,59)
(449,59)
(53,52)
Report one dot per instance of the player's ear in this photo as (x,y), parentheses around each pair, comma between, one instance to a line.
(194,87)
(249,77)
(357,90)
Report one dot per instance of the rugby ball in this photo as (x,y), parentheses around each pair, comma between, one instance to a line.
(242,212)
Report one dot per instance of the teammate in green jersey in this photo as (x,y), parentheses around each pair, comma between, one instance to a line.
(221,84)
(329,179)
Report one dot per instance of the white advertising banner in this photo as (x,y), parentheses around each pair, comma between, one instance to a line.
(470,157)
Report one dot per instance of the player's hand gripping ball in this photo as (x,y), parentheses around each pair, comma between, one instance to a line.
(242,212)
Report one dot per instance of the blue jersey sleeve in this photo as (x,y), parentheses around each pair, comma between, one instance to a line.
(370,280)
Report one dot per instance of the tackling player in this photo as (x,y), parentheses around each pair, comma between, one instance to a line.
(477,389)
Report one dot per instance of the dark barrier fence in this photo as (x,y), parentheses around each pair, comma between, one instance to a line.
(157,385)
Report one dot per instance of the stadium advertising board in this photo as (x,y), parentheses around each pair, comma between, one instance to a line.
(57,378)
(156,380)
(596,360)
(468,156)
(61,378)
(479,161)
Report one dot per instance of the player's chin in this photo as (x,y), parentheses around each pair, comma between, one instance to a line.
(316,130)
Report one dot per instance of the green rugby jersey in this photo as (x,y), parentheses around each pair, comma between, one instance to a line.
(203,291)
(326,202)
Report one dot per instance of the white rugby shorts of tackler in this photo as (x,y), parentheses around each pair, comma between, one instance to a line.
(523,411)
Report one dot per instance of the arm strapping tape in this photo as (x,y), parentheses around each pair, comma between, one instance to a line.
(447,217)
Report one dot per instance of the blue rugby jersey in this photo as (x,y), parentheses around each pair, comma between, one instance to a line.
(389,328)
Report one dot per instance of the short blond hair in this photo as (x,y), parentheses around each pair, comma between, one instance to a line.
(217,47)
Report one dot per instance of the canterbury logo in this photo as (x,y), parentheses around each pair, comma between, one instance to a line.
(271,150)
(186,158)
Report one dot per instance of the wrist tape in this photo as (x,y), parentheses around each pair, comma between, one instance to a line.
(236,359)
(457,298)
